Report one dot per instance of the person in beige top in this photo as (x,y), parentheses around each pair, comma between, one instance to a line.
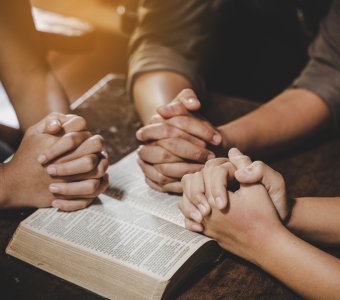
(164,59)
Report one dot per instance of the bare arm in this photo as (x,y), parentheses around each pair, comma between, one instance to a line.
(309,271)
(287,119)
(166,50)
(317,220)
(28,79)
(156,88)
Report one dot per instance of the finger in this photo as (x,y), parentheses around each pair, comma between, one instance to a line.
(159,131)
(85,188)
(238,159)
(193,192)
(71,205)
(155,154)
(208,177)
(74,123)
(52,120)
(194,126)
(94,144)
(90,188)
(153,174)
(185,102)
(52,126)
(185,150)
(173,187)
(220,175)
(178,170)
(189,210)
(65,144)
(190,225)
(97,172)
(78,166)
(259,172)
(197,191)
(156,118)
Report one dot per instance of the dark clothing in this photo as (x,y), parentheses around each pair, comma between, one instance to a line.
(5,151)
(255,48)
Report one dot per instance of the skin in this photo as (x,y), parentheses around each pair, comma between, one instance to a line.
(176,143)
(250,225)
(153,89)
(24,70)
(65,170)
(286,120)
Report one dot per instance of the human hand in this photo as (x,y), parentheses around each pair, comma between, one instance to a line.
(210,186)
(204,188)
(76,172)
(176,143)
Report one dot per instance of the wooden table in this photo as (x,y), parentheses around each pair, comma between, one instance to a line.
(110,113)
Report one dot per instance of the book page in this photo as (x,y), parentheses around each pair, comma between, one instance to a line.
(122,234)
(127,184)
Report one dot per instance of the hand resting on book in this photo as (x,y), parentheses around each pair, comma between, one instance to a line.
(176,143)
(58,163)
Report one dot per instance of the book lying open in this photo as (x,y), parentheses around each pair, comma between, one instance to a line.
(130,244)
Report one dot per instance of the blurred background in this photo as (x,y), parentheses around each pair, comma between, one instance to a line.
(87,39)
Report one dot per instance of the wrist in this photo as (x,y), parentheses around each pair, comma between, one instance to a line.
(263,245)
(232,136)
(5,188)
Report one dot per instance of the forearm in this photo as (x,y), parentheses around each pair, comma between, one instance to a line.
(24,71)
(317,220)
(307,270)
(291,116)
(35,96)
(3,187)
(153,89)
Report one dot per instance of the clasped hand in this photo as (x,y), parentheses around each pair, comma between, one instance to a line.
(176,142)
(237,220)
(59,163)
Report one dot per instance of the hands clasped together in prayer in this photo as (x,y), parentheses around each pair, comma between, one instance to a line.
(59,158)
(177,142)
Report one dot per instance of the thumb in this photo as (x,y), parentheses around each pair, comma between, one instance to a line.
(259,172)
(185,102)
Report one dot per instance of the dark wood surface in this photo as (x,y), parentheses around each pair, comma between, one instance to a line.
(109,112)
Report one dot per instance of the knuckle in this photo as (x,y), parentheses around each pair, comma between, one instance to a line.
(259,166)
(82,122)
(93,186)
(165,156)
(200,155)
(163,168)
(187,177)
(72,139)
(90,161)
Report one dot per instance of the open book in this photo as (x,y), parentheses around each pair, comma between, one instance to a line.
(131,244)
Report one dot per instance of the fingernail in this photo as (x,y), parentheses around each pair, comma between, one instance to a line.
(219,202)
(217,138)
(191,100)
(56,204)
(53,123)
(139,134)
(197,227)
(235,151)
(42,158)
(105,154)
(211,156)
(202,209)
(54,188)
(196,216)
(51,170)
